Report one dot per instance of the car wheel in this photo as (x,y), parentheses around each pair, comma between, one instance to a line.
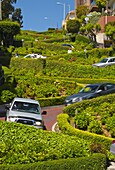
(44,128)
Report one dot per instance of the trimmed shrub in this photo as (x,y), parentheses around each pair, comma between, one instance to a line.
(94,162)
(95,127)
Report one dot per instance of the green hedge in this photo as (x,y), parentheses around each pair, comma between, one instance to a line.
(64,69)
(22,144)
(94,162)
(51,101)
(27,64)
(66,128)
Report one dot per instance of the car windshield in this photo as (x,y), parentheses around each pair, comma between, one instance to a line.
(26,107)
(104,60)
(89,89)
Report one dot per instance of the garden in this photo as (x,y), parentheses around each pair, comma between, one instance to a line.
(50,81)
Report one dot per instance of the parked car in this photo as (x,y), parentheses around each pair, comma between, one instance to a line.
(91,91)
(112,147)
(25,111)
(105,62)
(68,45)
(34,56)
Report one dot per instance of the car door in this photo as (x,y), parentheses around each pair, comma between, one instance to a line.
(106,89)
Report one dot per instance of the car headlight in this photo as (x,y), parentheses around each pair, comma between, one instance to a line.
(77,99)
(38,123)
(12,119)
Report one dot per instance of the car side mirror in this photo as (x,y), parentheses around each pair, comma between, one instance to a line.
(7,106)
(44,112)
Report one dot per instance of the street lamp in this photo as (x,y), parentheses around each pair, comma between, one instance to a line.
(69,7)
(59,3)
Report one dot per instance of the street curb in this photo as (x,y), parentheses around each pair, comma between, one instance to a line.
(53,127)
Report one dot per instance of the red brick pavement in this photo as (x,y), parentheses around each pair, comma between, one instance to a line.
(51,117)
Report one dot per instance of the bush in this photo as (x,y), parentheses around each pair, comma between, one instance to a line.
(97,148)
(95,127)
(7,96)
(110,125)
(22,144)
(66,128)
(94,162)
(82,121)
(81,38)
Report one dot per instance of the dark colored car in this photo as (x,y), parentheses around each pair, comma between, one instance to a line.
(68,45)
(91,91)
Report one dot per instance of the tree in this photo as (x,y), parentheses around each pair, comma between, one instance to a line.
(73,26)
(7,8)
(82,10)
(90,30)
(17,16)
(101,4)
(110,32)
(7,31)
(94,17)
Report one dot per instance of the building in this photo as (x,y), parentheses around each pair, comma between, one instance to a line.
(91,4)
(72,14)
(111,5)
(109,17)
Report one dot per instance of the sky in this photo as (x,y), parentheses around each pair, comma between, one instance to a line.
(39,15)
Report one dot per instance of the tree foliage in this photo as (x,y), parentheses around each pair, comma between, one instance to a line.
(8,9)
(90,30)
(17,16)
(81,11)
(7,30)
(110,31)
(101,4)
(73,26)
(94,17)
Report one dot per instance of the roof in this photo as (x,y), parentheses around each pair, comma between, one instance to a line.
(109,57)
(26,100)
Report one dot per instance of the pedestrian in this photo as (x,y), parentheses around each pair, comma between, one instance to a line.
(16,55)
(69,50)
(85,51)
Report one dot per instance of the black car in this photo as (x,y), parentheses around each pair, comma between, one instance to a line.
(91,91)
(68,45)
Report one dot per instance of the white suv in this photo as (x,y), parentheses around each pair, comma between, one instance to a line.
(25,111)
